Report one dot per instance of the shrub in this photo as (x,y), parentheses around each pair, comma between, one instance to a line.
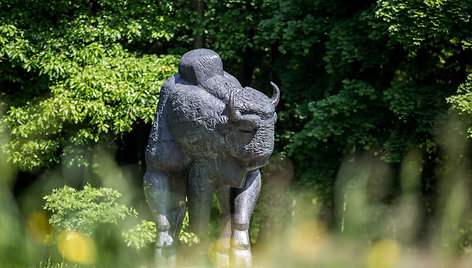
(84,210)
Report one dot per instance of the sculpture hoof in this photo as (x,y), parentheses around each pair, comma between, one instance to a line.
(164,239)
(240,257)
(221,260)
(240,239)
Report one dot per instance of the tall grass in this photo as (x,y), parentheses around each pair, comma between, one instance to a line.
(382,216)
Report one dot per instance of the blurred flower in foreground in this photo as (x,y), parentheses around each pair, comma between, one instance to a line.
(76,247)
(38,227)
(307,240)
(383,254)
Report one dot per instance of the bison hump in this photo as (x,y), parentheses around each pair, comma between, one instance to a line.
(196,66)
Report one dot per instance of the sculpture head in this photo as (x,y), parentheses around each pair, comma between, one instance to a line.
(249,129)
(216,120)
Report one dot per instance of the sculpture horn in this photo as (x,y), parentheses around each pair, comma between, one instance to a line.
(276,95)
(233,114)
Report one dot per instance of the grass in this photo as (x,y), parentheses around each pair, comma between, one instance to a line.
(379,219)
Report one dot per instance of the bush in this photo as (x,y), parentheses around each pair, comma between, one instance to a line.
(84,210)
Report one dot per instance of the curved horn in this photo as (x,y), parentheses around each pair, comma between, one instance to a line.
(233,114)
(276,95)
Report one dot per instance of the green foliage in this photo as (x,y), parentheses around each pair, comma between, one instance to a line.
(85,210)
(328,114)
(185,236)
(144,235)
(222,19)
(365,76)
(69,81)
(414,24)
(462,103)
(288,21)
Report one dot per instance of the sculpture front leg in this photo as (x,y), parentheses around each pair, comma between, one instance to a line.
(244,202)
(165,194)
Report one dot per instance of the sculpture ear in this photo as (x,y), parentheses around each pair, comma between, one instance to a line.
(224,128)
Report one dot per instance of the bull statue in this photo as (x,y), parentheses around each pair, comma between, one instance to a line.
(210,135)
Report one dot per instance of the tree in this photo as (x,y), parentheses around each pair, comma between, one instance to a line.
(366,76)
(74,75)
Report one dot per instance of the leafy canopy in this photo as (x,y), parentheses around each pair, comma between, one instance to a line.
(70,78)
(366,76)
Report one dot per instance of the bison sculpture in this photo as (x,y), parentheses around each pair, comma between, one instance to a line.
(210,135)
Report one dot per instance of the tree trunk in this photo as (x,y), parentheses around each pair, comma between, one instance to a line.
(198,36)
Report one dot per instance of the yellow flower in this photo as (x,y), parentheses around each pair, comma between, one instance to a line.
(77,247)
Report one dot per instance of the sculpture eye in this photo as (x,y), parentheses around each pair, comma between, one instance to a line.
(245,134)
(247,129)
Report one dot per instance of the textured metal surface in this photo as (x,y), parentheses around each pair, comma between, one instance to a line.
(210,135)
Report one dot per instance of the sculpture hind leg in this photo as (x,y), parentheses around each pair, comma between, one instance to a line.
(165,195)
(179,201)
(244,202)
